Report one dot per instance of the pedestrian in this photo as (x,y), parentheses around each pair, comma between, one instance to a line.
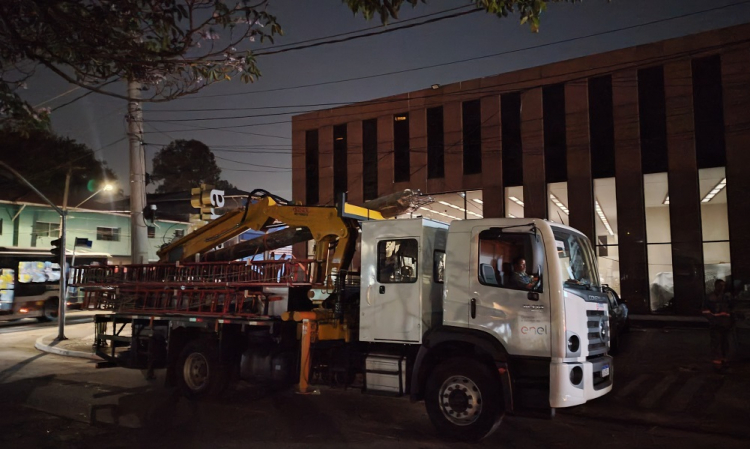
(718,310)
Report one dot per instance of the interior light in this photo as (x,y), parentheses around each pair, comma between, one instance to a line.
(602,217)
(715,191)
(559,204)
(516,200)
(477,200)
(399,118)
(666,199)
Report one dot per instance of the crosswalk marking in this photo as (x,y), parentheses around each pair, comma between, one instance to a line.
(685,394)
(653,396)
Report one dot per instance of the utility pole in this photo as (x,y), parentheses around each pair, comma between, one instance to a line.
(138,229)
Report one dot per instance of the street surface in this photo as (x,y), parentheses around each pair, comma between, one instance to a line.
(52,401)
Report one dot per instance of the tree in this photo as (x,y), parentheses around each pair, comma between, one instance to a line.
(528,10)
(184,164)
(172,47)
(44,159)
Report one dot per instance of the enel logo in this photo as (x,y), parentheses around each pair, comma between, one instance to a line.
(541,330)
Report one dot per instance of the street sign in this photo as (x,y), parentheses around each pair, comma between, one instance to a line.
(82,242)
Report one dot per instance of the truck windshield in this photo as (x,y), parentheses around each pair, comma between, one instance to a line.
(577,264)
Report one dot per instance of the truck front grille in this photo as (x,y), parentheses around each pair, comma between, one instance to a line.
(598,332)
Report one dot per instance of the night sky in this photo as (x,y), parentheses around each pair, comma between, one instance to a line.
(256,152)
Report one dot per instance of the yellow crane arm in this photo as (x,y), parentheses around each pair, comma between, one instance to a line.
(328,225)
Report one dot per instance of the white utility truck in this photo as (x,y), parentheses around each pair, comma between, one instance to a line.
(441,313)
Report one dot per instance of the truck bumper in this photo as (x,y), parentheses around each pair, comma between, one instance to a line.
(594,379)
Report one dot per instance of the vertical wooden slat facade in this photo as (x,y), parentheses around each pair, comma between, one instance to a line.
(631,214)
(684,192)
(385,154)
(735,68)
(354,162)
(674,55)
(580,181)
(454,149)
(493,193)
(532,141)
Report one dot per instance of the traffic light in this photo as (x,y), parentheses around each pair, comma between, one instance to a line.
(201,199)
(57,248)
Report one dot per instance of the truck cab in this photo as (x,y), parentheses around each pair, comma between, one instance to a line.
(509,315)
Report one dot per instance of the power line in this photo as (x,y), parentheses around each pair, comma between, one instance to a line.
(375,33)
(503,53)
(501,88)
(365,29)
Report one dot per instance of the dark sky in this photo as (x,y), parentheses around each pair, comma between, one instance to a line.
(255,148)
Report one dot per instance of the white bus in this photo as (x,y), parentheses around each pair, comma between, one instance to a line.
(30,282)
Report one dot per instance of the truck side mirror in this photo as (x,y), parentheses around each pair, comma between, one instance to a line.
(533,296)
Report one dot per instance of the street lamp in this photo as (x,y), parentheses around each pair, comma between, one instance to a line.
(106,188)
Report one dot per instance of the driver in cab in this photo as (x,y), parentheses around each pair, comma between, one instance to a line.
(520,278)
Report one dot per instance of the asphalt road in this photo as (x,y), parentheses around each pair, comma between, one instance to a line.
(52,401)
(26,324)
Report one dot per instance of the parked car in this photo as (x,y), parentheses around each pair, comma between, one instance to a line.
(618,318)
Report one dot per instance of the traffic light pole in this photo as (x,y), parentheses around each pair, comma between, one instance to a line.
(63,280)
(63,302)
(63,222)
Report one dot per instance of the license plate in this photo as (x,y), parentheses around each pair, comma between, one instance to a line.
(605,371)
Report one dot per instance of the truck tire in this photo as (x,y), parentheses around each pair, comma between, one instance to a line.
(50,311)
(200,373)
(464,400)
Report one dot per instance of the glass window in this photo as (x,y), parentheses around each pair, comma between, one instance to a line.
(557,203)
(401,153)
(438,266)
(179,233)
(716,258)
(454,206)
(576,259)
(514,202)
(37,272)
(659,240)
(607,249)
(397,261)
(509,260)
(472,137)
(44,229)
(311,167)
(108,234)
(151,231)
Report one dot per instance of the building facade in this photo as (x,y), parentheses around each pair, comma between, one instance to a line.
(32,225)
(644,149)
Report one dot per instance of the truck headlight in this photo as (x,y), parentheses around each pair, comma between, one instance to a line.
(574,343)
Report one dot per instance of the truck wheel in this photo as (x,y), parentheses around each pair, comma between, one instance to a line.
(49,312)
(199,370)
(464,400)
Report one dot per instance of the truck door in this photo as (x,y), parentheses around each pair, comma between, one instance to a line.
(510,297)
(391,308)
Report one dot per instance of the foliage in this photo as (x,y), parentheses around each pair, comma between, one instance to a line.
(184,164)
(44,159)
(173,47)
(528,10)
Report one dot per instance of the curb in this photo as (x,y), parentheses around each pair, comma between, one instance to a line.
(64,352)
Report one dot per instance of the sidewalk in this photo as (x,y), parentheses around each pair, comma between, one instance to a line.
(80,339)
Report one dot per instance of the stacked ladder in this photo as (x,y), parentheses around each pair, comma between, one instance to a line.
(202,288)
